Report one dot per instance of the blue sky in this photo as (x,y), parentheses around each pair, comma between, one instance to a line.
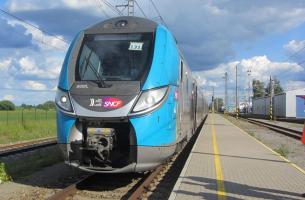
(214,36)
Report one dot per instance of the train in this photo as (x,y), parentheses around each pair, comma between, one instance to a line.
(126,99)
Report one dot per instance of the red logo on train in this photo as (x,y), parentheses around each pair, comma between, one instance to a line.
(112,102)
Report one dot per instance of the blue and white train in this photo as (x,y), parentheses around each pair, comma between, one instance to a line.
(126,98)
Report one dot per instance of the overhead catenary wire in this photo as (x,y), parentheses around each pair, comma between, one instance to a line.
(100,5)
(113,8)
(143,13)
(295,53)
(158,12)
(32,25)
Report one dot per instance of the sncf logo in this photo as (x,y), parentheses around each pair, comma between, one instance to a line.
(111,102)
(106,102)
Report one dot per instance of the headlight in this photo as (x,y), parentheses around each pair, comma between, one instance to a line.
(150,99)
(62,100)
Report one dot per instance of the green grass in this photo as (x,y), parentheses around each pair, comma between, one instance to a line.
(282,150)
(25,125)
(3,173)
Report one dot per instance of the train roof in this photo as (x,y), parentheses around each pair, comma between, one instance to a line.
(126,24)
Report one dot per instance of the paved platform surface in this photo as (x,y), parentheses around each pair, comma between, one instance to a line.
(227,163)
(294,126)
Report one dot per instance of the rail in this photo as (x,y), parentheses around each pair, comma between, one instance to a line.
(26,146)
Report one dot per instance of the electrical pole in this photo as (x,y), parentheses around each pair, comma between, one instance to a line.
(213,101)
(130,7)
(249,90)
(226,92)
(236,97)
(271,97)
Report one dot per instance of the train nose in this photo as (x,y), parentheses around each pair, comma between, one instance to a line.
(90,100)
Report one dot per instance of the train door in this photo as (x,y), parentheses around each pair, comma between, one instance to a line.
(194,96)
(181,102)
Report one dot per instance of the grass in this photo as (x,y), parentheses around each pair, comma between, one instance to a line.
(32,162)
(282,150)
(25,125)
(3,173)
(12,168)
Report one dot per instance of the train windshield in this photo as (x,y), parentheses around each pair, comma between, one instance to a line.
(114,57)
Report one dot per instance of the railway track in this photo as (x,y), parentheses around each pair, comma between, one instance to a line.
(26,146)
(283,130)
(129,186)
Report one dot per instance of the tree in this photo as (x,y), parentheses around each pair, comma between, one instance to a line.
(26,106)
(258,88)
(277,87)
(48,105)
(7,105)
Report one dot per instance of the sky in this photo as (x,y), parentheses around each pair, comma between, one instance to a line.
(264,37)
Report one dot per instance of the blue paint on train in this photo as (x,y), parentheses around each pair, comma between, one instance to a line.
(159,127)
(64,74)
(164,69)
(64,125)
(156,131)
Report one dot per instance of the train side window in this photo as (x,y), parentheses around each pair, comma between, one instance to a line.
(181,71)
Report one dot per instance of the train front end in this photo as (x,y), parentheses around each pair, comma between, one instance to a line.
(117,97)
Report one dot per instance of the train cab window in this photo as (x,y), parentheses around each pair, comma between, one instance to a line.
(114,57)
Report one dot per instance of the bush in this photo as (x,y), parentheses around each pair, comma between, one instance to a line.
(48,105)
(7,105)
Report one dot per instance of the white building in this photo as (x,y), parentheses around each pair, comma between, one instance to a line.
(288,104)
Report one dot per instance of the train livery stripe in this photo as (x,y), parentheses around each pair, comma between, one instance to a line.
(220,185)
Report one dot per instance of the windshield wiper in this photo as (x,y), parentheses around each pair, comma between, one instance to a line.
(101,83)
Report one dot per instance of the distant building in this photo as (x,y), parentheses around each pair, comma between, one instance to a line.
(288,104)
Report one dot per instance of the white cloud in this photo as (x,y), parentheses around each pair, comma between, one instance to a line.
(8,97)
(293,85)
(34,85)
(5,63)
(29,67)
(294,45)
(44,41)
(33,5)
(261,69)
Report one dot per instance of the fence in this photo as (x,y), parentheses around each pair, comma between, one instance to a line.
(22,116)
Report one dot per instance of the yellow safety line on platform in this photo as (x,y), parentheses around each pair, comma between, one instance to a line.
(274,152)
(220,185)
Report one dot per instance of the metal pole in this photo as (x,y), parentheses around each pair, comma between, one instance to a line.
(236,97)
(213,101)
(271,98)
(22,120)
(249,90)
(130,7)
(226,92)
(6,117)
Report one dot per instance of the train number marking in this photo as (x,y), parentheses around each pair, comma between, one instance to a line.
(135,46)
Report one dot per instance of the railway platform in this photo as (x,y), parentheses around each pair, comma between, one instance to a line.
(228,163)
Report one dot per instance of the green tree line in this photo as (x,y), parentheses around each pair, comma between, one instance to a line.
(8,105)
(259,89)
